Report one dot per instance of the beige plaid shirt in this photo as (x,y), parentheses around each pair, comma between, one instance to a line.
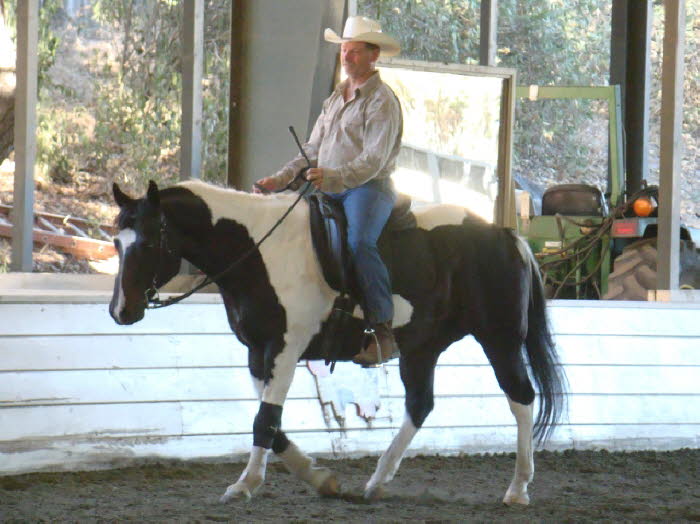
(353,141)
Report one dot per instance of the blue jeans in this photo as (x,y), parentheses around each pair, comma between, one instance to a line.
(367,208)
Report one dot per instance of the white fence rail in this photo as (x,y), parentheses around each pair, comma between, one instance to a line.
(78,391)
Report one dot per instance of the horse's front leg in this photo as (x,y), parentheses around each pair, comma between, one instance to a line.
(278,373)
(267,434)
(265,427)
(295,460)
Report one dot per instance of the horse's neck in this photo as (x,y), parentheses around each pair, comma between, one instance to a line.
(257,213)
(251,216)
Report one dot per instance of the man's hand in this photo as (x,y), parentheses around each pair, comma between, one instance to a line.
(267,184)
(315,176)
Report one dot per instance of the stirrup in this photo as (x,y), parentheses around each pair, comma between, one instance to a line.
(370,332)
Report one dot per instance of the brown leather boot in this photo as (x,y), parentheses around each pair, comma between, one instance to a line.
(375,356)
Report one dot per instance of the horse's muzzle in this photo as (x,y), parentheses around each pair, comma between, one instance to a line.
(126,317)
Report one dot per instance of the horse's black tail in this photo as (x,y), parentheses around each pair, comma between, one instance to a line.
(547,372)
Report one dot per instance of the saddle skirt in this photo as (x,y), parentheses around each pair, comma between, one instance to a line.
(329,235)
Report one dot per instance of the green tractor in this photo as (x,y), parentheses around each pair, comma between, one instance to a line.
(591,244)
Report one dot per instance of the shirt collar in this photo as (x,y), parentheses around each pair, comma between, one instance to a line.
(370,85)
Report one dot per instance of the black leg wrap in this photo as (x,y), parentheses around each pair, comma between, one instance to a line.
(280,443)
(267,423)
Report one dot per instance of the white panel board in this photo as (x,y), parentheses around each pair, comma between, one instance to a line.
(76,390)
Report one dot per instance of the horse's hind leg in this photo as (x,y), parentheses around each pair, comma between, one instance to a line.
(524,461)
(417,374)
(507,361)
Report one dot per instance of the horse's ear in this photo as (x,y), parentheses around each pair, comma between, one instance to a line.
(152,195)
(120,197)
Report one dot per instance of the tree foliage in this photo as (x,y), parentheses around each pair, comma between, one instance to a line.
(548,42)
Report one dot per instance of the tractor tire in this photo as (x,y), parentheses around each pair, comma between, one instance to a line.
(634,271)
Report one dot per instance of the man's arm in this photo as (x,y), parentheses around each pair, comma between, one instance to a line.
(285,175)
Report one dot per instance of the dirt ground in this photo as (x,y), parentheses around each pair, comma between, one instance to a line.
(572,486)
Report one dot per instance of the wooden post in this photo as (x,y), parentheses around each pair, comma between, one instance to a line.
(324,76)
(25,134)
(488,28)
(670,162)
(235,114)
(192,66)
(630,67)
(505,202)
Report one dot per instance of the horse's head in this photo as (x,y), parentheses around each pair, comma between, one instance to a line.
(148,257)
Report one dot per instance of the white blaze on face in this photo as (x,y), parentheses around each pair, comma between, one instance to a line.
(126,238)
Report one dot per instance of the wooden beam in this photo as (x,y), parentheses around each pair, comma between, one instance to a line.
(25,133)
(324,76)
(630,68)
(638,94)
(670,162)
(235,115)
(488,29)
(192,68)
(505,202)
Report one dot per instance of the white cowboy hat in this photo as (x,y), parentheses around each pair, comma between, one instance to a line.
(362,29)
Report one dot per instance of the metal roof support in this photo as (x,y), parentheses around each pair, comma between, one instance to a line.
(670,161)
(25,134)
(488,29)
(192,67)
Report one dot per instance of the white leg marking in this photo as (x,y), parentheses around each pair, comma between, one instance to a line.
(275,391)
(390,460)
(259,385)
(252,477)
(302,466)
(126,238)
(524,462)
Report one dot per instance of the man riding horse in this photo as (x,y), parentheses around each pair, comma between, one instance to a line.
(353,149)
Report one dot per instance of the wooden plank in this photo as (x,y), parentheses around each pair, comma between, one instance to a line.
(62,221)
(120,352)
(25,133)
(94,319)
(629,350)
(646,319)
(592,348)
(79,246)
(223,382)
(231,417)
(136,385)
(80,454)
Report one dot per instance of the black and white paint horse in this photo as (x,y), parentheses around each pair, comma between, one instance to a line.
(463,277)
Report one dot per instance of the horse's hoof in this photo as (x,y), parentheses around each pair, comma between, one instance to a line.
(516,498)
(374,492)
(236,491)
(329,487)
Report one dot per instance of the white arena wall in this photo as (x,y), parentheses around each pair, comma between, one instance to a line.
(78,391)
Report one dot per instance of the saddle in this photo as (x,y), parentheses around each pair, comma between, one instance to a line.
(329,236)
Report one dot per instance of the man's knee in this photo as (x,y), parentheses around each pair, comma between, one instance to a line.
(359,245)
